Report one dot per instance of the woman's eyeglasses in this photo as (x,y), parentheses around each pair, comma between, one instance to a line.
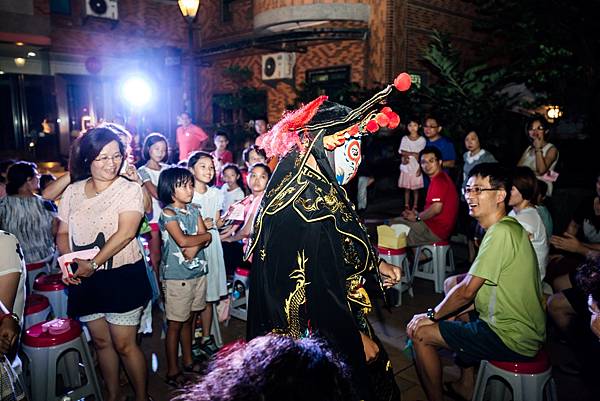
(104,159)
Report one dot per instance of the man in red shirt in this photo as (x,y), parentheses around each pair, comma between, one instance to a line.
(190,137)
(436,222)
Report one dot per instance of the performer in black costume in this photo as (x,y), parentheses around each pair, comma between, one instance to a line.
(309,249)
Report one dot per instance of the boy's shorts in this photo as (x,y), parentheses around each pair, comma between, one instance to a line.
(182,297)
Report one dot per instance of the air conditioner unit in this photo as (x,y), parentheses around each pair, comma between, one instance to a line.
(102,9)
(278,66)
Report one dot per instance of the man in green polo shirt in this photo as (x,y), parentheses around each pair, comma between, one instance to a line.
(508,322)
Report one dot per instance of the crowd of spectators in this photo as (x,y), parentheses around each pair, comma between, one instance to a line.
(521,265)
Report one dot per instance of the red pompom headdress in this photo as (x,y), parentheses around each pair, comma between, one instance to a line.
(294,126)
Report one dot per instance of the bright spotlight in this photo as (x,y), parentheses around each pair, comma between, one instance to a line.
(136,91)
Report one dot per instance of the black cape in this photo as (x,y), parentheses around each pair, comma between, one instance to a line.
(310,253)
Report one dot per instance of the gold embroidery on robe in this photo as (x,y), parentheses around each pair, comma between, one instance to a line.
(350,254)
(295,300)
(328,200)
(283,182)
(357,294)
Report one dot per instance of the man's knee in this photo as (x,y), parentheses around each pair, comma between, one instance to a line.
(429,336)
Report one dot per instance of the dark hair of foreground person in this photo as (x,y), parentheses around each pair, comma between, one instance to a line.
(274,368)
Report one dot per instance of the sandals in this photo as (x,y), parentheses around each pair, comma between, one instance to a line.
(195,368)
(177,381)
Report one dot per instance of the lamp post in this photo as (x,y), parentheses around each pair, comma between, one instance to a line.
(189,9)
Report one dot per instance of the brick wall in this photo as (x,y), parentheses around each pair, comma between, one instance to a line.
(212,81)
(211,26)
(450,16)
(142,24)
(400,41)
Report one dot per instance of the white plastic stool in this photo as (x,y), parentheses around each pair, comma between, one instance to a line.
(52,287)
(47,351)
(37,309)
(529,381)
(436,269)
(239,299)
(398,257)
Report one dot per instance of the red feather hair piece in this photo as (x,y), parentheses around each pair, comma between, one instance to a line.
(284,135)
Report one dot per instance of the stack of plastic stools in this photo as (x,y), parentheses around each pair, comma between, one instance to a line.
(37,310)
(398,257)
(436,269)
(239,299)
(529,381)
(46,345)
(52,287)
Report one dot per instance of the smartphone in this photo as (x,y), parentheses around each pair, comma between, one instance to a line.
(124,167)
(72,266)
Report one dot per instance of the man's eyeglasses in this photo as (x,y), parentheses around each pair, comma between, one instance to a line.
(540,128)
(477,190)
(104,159)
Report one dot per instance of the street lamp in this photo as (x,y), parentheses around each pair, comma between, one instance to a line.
(189,9)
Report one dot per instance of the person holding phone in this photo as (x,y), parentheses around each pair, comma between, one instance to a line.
(108,292)
(541,156)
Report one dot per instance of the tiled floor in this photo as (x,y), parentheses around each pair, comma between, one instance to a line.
(390,327)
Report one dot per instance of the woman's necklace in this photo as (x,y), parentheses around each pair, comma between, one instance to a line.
(96,192)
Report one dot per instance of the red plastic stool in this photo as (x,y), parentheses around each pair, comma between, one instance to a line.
(529,381)
(56,349)
(34,270)
(37,309)
(52,287)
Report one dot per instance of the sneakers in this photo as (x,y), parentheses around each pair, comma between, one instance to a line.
(206,348)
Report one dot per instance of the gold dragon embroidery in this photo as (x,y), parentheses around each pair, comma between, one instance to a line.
(295,300)
(357,294)
(329,200)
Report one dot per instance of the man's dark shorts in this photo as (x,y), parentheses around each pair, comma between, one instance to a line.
(474,340)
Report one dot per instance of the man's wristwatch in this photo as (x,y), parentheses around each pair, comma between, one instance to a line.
(93,264)
(431,315)
(417,218)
